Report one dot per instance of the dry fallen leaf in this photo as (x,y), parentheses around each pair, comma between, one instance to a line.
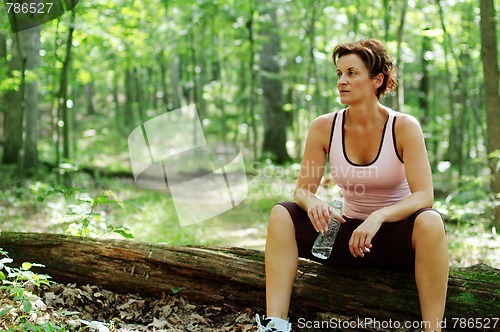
(98,310)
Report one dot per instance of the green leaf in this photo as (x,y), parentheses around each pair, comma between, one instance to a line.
(5,311)
(104,200)
(6,260)
(26,265)
(31,327)
(70,313)
(2,276)
(176,290)
(123,231)
(27,306)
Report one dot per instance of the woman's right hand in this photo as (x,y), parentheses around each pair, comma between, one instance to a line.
(320,214)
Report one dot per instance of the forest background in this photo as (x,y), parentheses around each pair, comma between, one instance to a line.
(73,89)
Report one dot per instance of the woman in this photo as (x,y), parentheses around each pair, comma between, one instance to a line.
(378,158)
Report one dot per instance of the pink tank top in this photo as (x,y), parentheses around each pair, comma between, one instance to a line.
(369,187)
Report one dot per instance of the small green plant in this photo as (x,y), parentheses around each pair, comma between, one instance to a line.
(21,310)
(20,306)
(87,216)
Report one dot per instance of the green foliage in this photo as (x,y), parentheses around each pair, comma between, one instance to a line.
(85,215)
(176,290)
(11,83)
(18,284)
(470,201)
(494,158)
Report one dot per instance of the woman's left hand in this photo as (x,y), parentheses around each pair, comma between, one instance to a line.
(361,238)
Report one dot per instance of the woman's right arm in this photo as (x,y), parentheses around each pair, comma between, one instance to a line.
(311,171)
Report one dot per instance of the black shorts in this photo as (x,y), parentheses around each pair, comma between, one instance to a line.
(392,245)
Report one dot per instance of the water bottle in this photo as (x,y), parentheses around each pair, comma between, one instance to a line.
(323,245)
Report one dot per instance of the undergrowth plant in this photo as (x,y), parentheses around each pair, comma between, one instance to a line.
(21,310)
(23,307)
(86,216)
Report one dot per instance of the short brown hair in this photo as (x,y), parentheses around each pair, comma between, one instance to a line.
(377,60)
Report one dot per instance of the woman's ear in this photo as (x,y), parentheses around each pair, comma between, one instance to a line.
(379,79)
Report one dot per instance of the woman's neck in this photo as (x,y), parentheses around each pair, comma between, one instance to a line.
(367,114)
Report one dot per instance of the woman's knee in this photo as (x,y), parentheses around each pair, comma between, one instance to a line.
(280,218)
(429,224)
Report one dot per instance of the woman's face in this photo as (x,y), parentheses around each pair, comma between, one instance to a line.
(355,84)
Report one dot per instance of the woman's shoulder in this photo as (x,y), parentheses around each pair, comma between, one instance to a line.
(320,130)
(406,122)
(324,121)
(407,127)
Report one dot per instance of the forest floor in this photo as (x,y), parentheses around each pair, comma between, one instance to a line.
(90,308)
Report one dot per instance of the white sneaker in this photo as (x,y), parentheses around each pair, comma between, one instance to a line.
(272,324)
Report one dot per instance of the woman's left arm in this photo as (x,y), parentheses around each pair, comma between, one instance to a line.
(411,147)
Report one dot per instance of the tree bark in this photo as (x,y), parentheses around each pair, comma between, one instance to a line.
(489,56)
(454,136)
(31,97)
(62,107)
(63,91)
(235,277)
(3,72)
(32,115)
(128,119)
(253,79)
(274,116)
(400,92)
(21,111)
(89,97)
(13,121)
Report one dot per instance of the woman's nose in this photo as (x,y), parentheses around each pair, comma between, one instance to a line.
(342,80)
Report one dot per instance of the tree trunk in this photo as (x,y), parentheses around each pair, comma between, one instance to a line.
(63,112)
(31,102)
(400,91)
(89,97)
(3,48)
(128,119)
(489,56)
(424,88)
(3,64)
(162,64)
(253,80)
(274,116)
(13,121)
(235,277)
(453,146)
(139,95)
(31,141)
(21,118)
(178,97)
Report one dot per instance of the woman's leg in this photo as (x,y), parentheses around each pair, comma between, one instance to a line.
(281,262)
(431,267)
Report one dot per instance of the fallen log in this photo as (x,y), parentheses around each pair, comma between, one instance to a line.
(235,277)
